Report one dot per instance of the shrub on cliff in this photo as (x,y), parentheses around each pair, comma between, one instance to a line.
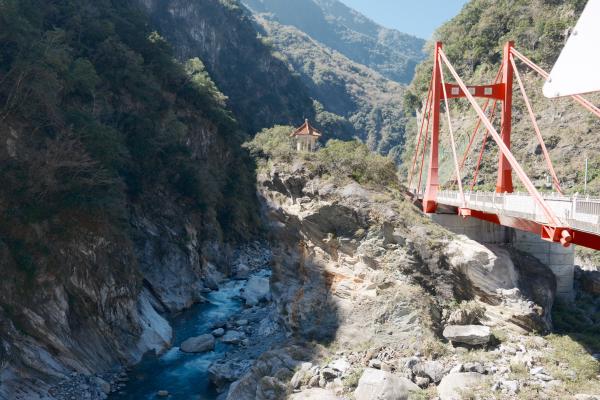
(353,159)
(273,143)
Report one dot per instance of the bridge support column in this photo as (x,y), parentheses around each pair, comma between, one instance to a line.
(432,187)
(561,260)
(504,183)
(473,228)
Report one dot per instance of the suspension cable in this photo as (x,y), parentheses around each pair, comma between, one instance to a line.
(552,219)
(425,115)
(483,143)
(456,167)
(535,126)
(478,125)
(580,99)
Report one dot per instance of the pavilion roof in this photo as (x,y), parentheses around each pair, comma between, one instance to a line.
(306,129)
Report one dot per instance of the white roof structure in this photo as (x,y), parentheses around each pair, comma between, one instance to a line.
(577,69)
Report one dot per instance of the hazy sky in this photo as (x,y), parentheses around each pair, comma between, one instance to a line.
(419,18)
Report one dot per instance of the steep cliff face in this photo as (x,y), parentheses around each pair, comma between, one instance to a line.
(262,92)
(119,166)
(344,238)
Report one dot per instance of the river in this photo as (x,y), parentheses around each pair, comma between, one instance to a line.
(185,376)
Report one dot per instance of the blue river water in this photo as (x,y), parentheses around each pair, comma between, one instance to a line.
(184,376)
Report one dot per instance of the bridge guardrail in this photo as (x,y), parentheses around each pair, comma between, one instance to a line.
(575,212)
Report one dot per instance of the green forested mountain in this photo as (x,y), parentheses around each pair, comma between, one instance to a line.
(352,100)
(121,161)
(473,41)
(96,112)
(387,51)
(261,91)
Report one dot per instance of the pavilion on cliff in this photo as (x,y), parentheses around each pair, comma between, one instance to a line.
(306,137)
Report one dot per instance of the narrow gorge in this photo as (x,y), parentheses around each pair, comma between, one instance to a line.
(161,237)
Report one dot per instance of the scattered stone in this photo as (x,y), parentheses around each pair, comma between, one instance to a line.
(380,385)
(314,394)
(422,381)
(468,334)
(198,344)
(219,324)
(474,367)
(241,322)
(329,374)
(218,332)
(162,393)
(233,337)
(223,372)
(457,368)
(340,365)
(452,384)
(544,377)
(433,370)
(537,370)
(511,386)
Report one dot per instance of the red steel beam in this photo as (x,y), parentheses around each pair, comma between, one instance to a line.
(433,182)
(504,183)
(579,238)
(494,92)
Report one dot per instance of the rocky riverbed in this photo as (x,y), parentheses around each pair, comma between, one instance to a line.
(364,298)
(380,303)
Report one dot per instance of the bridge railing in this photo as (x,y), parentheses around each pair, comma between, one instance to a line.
(575,212)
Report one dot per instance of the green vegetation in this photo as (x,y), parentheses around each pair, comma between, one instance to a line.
(338,159)
(273,143)
(474,39)
(354,160)
(580,321)
(260,89)
(97,114)
(568,354)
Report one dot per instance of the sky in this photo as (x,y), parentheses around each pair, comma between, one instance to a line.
(419,18)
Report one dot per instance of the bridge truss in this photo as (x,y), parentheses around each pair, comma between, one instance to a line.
(533,212)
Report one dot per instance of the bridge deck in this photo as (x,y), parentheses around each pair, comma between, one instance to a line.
(581,213)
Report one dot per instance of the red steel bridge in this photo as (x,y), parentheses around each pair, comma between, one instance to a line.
(555,217)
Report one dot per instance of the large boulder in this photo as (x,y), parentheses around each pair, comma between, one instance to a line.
(375,384)
(473,335)
(198,344)
(223,372)
(508,282)
(453,384)
(256,290)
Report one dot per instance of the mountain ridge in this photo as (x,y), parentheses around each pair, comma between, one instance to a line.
(387,51)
